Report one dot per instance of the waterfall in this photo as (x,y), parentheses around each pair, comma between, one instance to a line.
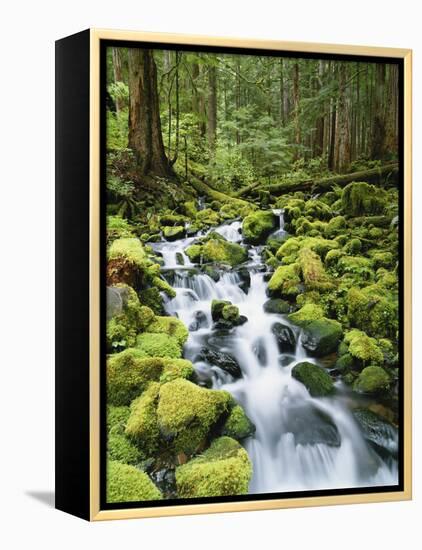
(301,442)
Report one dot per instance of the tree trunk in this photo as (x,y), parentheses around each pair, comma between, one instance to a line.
(212,108)
(296,99)
(343,124)
(378,139)
(117,70)
(145,138)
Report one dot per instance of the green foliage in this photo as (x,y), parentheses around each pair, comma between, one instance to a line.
(363,348)
(222,470)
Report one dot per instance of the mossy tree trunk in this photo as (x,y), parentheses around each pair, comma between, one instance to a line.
(145,137)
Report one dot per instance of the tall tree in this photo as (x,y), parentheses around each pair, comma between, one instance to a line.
(378,138)
(145,137)
(118,74)
(212,108)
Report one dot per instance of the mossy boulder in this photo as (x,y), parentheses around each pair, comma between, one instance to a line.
(276,305)
(170,326)
(257,226)
(125,317)
(152,298)
(285,337)
(127,262)
(172,233)
(313,272)
(238,426)
(360,198)
(119,447)
(363,347)
(373,310)
(317,381)
(230,313)
(173,220)
(222,470)
(315,208)
(189,208)
(142,424)
(372,379)
(187,413)
(126,483)
(321,337)
(335,226)
(285,281)
(207,217)
(217,250)
(353,246)
(154,344)
(356,265)
(217,307)
(306,314)
(130,372)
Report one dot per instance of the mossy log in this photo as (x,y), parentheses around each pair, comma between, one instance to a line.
(382,175)
(204,189)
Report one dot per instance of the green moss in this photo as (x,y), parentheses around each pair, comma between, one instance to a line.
(353,246)
(257,226)
(173,233)
(118,228)
(364,348)
(356,265)
(373,310)
(306,314)
(317,209)
(217,307)
(170,326)
(285,280)
(127,484)
(313,272)
(321,337)
(190,209)
(176,368)
(163,285)
(383,259)
(116,418)
(222,470)
(289,249)
(142,424)
(230,313)
(335,226)
(158,345)
(344,362)
(360,198)
(173,220)
(332,257)
(217,249)
(238,426)
(207,217)
(372,379)
(129,248)
(128,375)
(194,252)
(122,327)
(317,381)
(151,297)
(186,413)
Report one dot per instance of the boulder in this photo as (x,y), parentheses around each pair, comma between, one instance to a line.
(222,360)
(126,483)
(316,379)
(238,425)
(372,379)
(285,337)
(257,226)
(321,337)
(276,305)
(173,233)
(380,433)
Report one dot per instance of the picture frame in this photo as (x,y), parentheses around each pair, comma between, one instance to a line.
(81,265)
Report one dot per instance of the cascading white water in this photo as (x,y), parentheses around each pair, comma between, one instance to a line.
(301,442)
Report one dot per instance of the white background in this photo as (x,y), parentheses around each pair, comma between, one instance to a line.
(28,31)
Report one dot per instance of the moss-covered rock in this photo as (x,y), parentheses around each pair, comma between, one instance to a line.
(335,226)
(356,265)
(315,208)
(172,233)
(372,379)
(313,272)
(119,447)
(309,312)
(317,381)
(373,310)
(238,426)
(207,217)
(257,226)
(285,281)
(360,198)
(276,305)
(222,470)
(151,297)
(186,413)
(170,326)
(230,313)
(130,372)
(153,344)
(127,484)
(189,209)
(173,220)
(218,250)
(163,286)
(363,348)
(127,262)
(217,307)
(126,319)
(353,246)
(321,337)
(142,424)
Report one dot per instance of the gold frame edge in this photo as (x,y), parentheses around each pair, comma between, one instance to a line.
(96,514)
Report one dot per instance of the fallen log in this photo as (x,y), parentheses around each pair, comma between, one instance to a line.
(245,190)
(383,175)
(205,189)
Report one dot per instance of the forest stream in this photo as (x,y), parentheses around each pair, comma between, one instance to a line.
(301,442)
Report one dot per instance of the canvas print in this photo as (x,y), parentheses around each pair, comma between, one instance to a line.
(252,274)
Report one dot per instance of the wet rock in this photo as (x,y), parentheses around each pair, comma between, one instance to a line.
(310,426)
(317,381)
(173,233)
(222,360)
(285,337)
(245,279)
(321,337)
(200,321)
(276,305)
(165,480)
(212,272)
(260,351)
(180,260)
(217,308)
(286,360)
(380,433)
(116,300)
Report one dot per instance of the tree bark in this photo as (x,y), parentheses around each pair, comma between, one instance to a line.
(378,139)
(118,77)
(212,109)
(145,138)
